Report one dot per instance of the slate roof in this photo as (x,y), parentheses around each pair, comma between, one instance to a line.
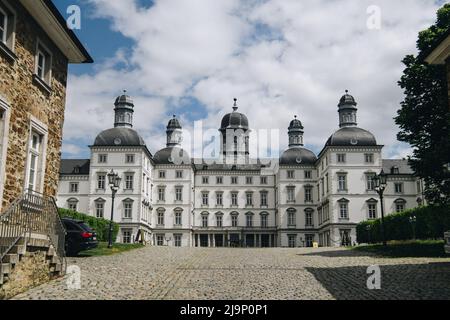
(70,166)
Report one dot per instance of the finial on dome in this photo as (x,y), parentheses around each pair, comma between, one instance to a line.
(295,117)
(346,91)
(235,107)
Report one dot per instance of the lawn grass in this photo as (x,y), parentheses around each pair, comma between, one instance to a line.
(103,250)
(405,249)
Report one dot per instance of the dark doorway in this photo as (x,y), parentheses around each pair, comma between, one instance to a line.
(203,240)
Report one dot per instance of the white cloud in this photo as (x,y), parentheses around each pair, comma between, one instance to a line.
(217,50)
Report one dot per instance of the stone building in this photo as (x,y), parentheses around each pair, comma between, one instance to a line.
(295,200)
(36,47)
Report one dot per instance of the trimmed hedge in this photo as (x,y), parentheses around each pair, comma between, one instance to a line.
(101,226)
(431,223)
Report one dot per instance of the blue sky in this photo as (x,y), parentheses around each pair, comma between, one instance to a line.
(280,58)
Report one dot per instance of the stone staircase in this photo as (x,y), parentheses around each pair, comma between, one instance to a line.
(26,248)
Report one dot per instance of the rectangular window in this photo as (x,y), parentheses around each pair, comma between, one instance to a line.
(249,180)
(249,197)
(160,240)
(100,209)
(126,236)
(205,180)
(234,221)
(179,174)
(128,210)
(309,219)
(219,180)
(3,25)
(291,219)
(234,199)
(291,194)
(177,240)
(308,174)
(129,158)
(234,180)
(368,157)
(74,187)
(264,221)
(399,207)
(343,210)
(341,158)
(308,194)
(160,218)
(102,158)
(399,188)
(290,174)
(178,193)
(263,199)
(35,161)
(205,221)
(370,182)
(43,64)
(372,211)
(263,180)
(162,174)
(205,198)
(178,220)
(73,206)
(342,182)
(129,181)
(219,221)
(219,198)
(162,194)
(292,240)
(249,219)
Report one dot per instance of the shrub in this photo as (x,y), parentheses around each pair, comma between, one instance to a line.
(101,226)
(431,223)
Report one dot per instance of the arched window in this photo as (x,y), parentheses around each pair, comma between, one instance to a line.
(291,217)
(205,219)
(178,215)
(100,207)
(343,208)
(128,208)
(309,219)
(72,204)
(249,219)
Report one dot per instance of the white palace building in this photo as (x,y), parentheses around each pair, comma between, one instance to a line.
(170,199)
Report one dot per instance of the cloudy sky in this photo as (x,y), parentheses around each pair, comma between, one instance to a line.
(280,58)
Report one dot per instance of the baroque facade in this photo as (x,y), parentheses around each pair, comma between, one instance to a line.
(36,47)
(296,200)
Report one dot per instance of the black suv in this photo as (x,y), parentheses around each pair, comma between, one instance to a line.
(79,237)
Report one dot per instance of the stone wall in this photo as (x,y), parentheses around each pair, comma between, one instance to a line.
(26,98)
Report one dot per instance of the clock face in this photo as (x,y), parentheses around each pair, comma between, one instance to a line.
(117,141)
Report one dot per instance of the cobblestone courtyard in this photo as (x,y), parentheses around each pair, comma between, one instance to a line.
(192,273)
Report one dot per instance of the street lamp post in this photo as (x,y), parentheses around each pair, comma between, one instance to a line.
(413,220)
(380,183)
(114,184)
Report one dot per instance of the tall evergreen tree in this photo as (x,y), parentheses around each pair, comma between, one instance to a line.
(424,116)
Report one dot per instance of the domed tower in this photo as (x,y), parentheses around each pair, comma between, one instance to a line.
(124,109)
(295,133)
(174,133)
(173,154)
(297,154)
(235,136)
(347,111)
(349,134)
(123,133)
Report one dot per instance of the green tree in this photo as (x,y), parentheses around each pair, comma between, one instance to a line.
(424,117)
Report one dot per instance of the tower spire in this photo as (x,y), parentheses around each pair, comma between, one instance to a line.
(347,111)
(235,107)
(123,109)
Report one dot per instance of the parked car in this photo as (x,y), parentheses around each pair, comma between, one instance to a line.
(447,242)
(79,237)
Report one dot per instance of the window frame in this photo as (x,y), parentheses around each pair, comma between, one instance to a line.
(41,130)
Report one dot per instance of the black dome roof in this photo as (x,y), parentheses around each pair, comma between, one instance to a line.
(172,155)
(174,123)
(123,99)
(298,156)
(352,136)
(119,137)
(347,99)
(234,120)
(295,124)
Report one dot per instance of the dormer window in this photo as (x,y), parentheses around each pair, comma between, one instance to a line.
(395,170)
